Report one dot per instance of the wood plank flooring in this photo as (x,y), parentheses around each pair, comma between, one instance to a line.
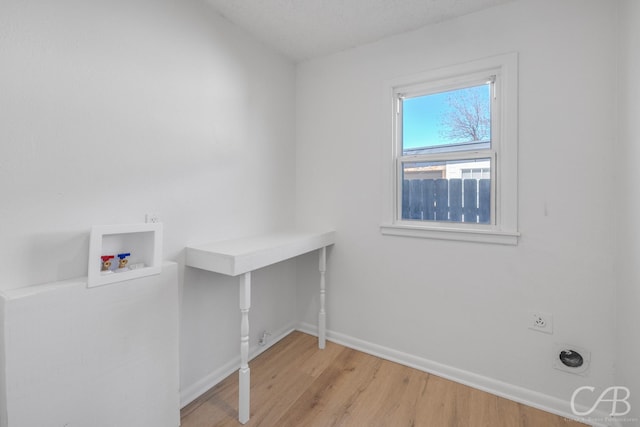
(297,385)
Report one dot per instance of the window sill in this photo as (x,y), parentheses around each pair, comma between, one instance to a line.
(445,233)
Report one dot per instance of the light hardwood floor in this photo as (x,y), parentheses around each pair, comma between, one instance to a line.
(295,384)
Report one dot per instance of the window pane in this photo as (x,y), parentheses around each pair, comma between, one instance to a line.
(454,190)
(457,120)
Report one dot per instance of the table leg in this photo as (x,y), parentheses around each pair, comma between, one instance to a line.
(322,316)
(244,373)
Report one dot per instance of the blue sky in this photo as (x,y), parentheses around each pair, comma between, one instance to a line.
(421,121)
(422,125)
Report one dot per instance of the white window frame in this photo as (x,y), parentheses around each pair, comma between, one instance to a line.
(502,228)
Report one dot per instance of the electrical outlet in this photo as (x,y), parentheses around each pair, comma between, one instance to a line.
(541,321)
(152,218)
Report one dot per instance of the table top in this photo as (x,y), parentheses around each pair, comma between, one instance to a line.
(238,256)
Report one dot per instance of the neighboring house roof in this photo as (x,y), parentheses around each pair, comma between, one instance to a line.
(445,148)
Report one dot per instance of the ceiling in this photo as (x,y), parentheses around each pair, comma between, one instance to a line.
(303,29)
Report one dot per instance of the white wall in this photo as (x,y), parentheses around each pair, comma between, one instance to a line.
(628,249)
(465,305)
(3,373)
(104,356)
(112,109)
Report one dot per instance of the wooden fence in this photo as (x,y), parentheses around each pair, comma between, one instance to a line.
(454,199)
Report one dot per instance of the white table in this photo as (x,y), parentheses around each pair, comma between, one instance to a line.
(242,256)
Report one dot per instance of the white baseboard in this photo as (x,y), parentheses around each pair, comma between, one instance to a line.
(512,392)
(192,392)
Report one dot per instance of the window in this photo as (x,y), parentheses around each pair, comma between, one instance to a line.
(448,132)
(454,163)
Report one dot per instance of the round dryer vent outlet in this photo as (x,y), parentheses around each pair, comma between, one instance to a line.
(571,358)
